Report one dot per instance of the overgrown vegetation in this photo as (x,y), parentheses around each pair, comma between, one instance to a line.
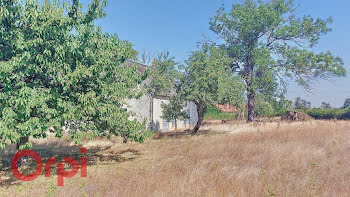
(328,113)
(59,71)
(215,114)
(204,82)
(285,159)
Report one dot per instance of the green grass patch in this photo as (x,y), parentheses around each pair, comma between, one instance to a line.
(215,114)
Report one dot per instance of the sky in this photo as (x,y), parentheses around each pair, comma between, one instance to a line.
(176,26)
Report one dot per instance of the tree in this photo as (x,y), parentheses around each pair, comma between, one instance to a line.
(10,15)
(267,39)
(282,105)
(165,78)
(58,70)
(301,104)
(326,105)
(264,108)
(163,74)
(174,111)
(346,103)
(203,81)
(231,91)
(146,57)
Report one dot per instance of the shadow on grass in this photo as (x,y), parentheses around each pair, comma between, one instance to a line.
(95,156)
(181,134)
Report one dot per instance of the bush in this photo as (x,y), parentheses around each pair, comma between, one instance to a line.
(345,115)
(215,114)
(281,112)
(320,113)
(264,109)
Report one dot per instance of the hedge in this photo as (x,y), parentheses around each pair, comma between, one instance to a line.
(320,113)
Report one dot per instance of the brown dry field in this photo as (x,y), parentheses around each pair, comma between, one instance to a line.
(236,159)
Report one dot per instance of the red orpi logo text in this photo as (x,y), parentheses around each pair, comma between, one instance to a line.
(61,173)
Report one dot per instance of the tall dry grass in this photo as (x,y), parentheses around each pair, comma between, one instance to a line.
(265,159)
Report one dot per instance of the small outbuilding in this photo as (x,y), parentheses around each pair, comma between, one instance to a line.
(148,108)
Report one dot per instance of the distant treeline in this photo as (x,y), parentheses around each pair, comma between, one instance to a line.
(335,113)
(316,113)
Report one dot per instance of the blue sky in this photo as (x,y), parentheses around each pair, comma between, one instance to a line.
(177,25)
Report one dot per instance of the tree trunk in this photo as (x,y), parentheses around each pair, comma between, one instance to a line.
(251,105)
(22,141)
(175,124)
(200,111)
(250,90)
(241,115)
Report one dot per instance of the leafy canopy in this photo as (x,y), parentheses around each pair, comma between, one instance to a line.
(302,104)
(163,75)
(269,43)
(207,80)
(174,111)
(207,77)
(326,105)
(57,70)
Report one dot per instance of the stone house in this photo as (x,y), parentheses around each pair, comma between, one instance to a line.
(148,108)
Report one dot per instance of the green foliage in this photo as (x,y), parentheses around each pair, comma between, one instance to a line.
(345,115)
(58,70)
(269,106)
(174,110)
(282,106)
(163,74)
(346,103)
(264,108)
(165,79)
(204,80)
(301,104)
(231,90)
(215,114)
(326,105)
(328,113)
(205,77)
(268,42)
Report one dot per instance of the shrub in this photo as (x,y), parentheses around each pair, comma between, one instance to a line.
(215,114)
(345,115)
(281,112)
(264,109)
(320,113)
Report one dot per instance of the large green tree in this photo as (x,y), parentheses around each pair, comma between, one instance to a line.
(267,40)
(205,81)
(57,70)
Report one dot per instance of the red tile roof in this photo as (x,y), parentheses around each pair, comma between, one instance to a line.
(227,108)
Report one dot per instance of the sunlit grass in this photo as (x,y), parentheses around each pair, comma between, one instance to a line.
(264,159)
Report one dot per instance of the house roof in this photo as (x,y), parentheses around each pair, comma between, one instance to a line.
(227,108)
(141,68)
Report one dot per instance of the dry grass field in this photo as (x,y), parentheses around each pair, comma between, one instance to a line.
(234,159)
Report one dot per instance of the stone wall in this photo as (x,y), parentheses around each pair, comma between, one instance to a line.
(140,108)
